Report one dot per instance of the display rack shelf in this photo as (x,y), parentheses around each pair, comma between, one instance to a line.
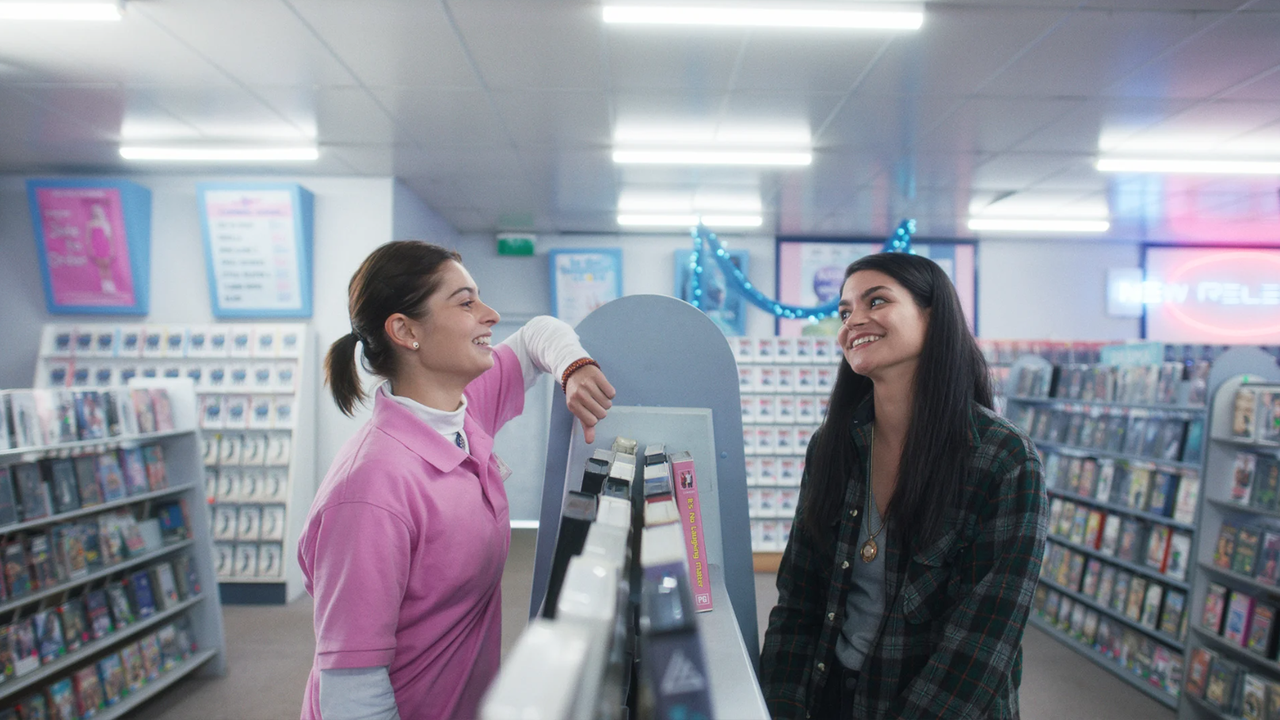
(92,510)
(1081,451)
(1105,663)
(1251,444)
(257,361)
(1122,509)
(71,660)
(1123,564)
(155,687)
(1235,651)
(1229,507)
(1087,601)
(1042,374)
(1240,579)
(201,611)
(1183,409)
(67,449)
(62,587)
(1204,706)
(1232,370)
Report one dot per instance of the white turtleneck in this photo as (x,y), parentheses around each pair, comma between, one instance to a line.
(543,345)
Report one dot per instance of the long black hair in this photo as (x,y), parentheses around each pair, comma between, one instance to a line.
(951,376)
(396,278)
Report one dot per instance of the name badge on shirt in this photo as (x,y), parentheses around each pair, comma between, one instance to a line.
(504,470)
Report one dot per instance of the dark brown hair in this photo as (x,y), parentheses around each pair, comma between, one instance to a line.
(951,377)
(396,278)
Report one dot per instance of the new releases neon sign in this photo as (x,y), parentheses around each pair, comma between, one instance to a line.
(1209,295)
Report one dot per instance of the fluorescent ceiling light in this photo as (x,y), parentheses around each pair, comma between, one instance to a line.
(1190,166)
(90,11)
(794,137)
(710,157)
(1038,225)
(220,154)
(690,220)
(881,19)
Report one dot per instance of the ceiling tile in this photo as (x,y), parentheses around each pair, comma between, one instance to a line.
(526,45)
(1234,50)
(436,117)
(389,42)
(792,61)
(567,119)
(684,59)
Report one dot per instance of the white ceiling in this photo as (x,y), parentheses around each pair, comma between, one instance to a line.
(501,113)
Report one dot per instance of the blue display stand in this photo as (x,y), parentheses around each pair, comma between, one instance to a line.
(664,358)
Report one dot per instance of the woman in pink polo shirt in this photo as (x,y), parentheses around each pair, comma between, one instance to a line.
(405,543)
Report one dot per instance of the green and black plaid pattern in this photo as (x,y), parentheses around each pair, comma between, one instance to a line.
(950,644)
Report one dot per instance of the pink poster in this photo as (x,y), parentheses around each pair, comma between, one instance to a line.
(85,247)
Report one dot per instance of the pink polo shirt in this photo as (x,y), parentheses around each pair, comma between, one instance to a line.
(404,548)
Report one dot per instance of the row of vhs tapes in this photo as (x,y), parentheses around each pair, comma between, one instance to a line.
(784,409)
(248,560)
(206,376)
(772,502)
(819,350)
(1150,661)
(246,449)
(247,523)
(106,340)
(770,535)
(246,412)
(1230,688)
(44,417)
(1141,600)
(774,471)
(246,485)
(804,379)
(776,439)
(96,686)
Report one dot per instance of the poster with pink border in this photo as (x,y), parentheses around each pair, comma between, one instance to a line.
(88,249)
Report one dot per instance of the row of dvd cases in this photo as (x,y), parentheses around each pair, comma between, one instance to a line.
(255,388)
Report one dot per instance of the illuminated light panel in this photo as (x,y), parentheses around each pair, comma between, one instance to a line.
(710,157)
(777,137)
(813,18)
(1038,225)
(219,154)
(1188,165)
(690,220)
(69,11)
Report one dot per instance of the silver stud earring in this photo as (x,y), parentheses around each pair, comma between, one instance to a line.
(415,345)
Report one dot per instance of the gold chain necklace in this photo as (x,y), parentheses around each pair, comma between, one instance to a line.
(869,548)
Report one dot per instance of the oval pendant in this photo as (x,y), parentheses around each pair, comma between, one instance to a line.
(869,550)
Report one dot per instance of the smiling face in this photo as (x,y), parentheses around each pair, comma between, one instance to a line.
(883,329)
(457,330)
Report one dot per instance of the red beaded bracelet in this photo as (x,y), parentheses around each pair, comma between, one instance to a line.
(574,367)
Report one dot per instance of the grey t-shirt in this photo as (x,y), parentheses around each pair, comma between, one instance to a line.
(864,607)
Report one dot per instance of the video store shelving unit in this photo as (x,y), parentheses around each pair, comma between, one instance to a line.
(1231,650)
(111,640)
(784,385)
(255,387)
(1122,447)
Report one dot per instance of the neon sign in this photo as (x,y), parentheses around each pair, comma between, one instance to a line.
(1209,295)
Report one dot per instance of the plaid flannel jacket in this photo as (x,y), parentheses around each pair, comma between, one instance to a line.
(950,643)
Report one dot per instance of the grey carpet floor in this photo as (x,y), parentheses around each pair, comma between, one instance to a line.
(269,652)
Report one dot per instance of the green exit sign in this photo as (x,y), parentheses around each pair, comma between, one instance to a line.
(516,243)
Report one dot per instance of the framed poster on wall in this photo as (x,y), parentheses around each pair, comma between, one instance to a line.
(1211,295)
(810,272)
(726,308)
(258,241)
(583,280)
(93,239)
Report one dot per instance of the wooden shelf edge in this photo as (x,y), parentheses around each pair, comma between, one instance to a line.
(766,562)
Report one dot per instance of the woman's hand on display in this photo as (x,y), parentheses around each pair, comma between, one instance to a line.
(589,396)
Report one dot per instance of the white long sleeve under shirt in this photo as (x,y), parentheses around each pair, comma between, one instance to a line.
(543,345)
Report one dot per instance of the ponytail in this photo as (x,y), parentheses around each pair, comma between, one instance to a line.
(396,278)
(341,375)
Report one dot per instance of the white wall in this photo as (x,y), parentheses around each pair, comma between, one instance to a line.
(1051,289)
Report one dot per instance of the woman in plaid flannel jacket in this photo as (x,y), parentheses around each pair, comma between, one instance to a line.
(961,494)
